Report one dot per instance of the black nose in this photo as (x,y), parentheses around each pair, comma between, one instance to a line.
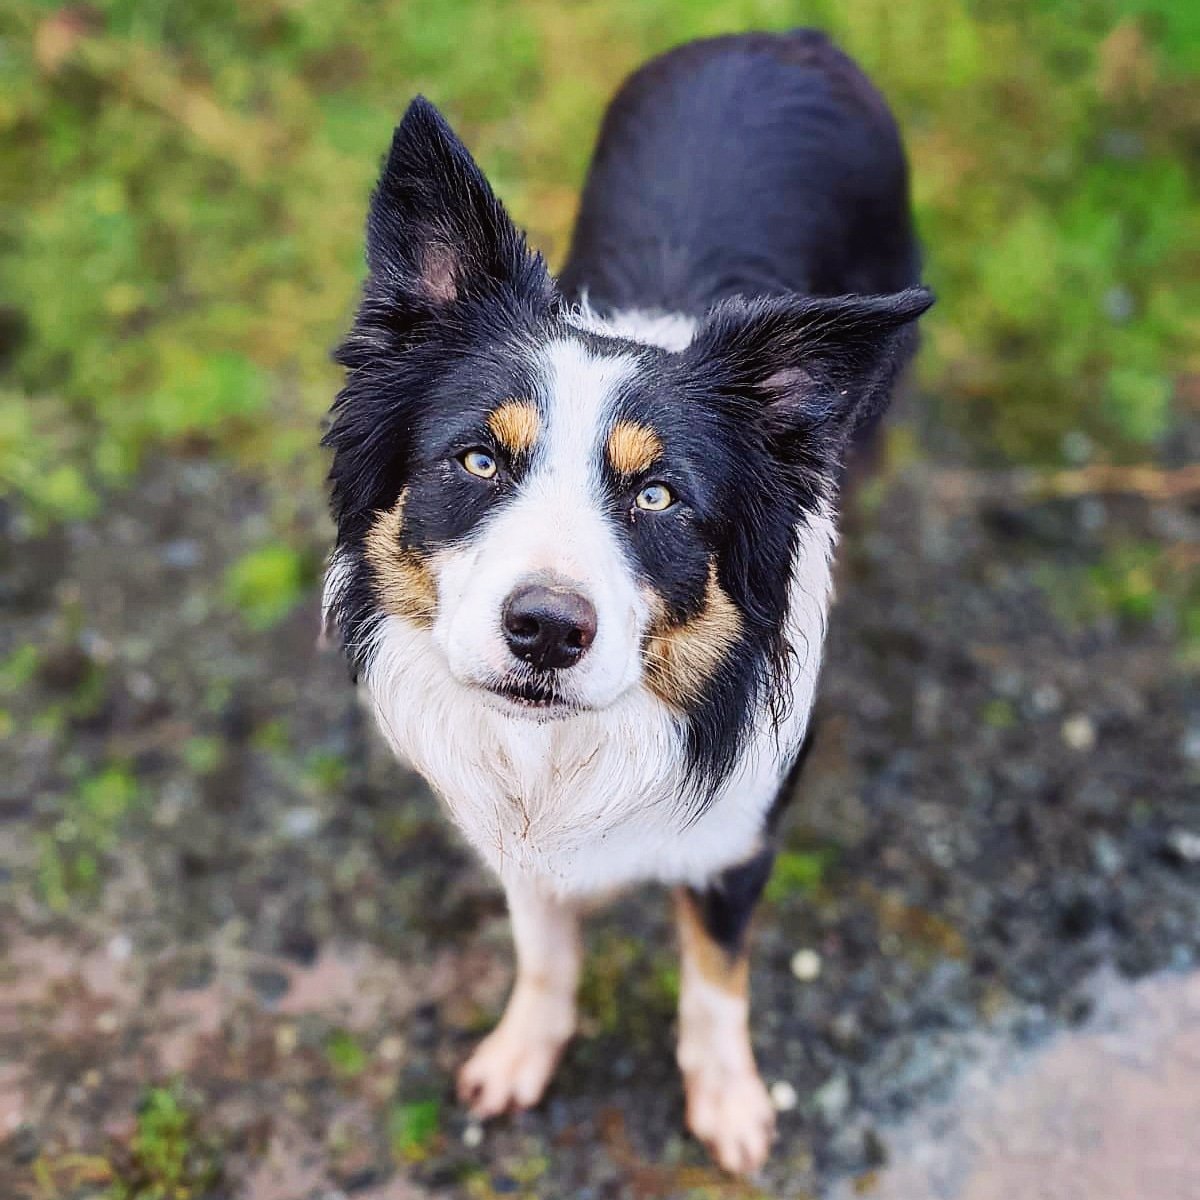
(548,626)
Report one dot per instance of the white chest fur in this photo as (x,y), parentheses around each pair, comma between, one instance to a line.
(593,801)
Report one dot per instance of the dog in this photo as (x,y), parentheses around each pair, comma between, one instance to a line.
(585,527)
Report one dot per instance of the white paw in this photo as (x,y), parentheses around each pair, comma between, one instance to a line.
(733,1116)
(509,1070)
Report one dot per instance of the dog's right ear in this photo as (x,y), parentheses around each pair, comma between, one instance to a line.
(436,233)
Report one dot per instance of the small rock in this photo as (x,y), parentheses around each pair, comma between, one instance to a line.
(1191,744)
(472,1136)
(832,1098)
(300,823)
(1184,845)
(120,947)
(391,1049)
(182,553)
(783,1096)
(806,965)
(1046,699)
(1107,854)
(1078,732)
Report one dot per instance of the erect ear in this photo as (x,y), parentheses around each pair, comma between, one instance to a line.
(811,367)
(436,234)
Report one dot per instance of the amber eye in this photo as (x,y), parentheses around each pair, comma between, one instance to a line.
(654,497)
(480,463)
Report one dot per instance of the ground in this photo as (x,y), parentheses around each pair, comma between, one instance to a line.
(244,953)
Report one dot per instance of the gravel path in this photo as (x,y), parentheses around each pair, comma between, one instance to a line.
(1004,799)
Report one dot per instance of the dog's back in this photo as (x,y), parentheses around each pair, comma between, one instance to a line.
(747,165)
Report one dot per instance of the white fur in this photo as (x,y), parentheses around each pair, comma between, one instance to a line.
(589,802)
(512,1065)
(670,331)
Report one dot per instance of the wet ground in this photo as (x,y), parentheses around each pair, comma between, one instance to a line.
(215,884)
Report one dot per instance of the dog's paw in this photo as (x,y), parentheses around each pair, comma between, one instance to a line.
(509,1070)
(733,1116)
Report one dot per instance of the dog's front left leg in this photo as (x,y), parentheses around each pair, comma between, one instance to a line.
(728,1107)
(513,1064)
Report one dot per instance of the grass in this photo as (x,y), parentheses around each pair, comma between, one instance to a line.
(183,187)
(72,852)
(168,1157)
(413,1128)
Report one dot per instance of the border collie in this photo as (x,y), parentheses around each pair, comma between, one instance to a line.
(585,525)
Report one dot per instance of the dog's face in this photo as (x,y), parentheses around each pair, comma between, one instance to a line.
(571,516)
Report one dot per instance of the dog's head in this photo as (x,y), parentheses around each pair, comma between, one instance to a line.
(569,515)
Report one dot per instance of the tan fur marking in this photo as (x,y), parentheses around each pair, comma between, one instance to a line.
(515,424)
(402,581)
(681,659)
(633,448)
(712,962)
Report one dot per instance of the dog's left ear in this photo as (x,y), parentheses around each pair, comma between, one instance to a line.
(810,369)
(436,233)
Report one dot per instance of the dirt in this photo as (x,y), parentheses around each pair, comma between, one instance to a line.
(1005,800)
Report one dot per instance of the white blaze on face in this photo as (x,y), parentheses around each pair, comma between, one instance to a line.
(555,525)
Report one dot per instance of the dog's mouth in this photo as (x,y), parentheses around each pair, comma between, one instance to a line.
(531,696)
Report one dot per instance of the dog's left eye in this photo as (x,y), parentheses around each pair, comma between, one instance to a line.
(654,497)
(479,463)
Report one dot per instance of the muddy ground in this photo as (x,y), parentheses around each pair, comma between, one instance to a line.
(221,901)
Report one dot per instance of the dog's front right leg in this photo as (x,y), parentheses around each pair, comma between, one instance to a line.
(513,1064)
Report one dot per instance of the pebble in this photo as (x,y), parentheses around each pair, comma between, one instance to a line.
(1185,845)
(833,1098)
(783,1096)
(472,1136)
(1078,732)
(1106,854)
(391,1049)
(1191,745)
(806,965)
(182,553)
(300,823)
(120,947)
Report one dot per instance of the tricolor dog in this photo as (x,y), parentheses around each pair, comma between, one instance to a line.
(585,524)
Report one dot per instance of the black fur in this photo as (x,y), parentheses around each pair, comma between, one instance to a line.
(727,904)
(751,165)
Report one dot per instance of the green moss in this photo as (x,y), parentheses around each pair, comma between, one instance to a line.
(347,1058)
(1131,583)
(70,856)
(169,1159)
(798,873)
(266,584)
(203,754)
(413,1128)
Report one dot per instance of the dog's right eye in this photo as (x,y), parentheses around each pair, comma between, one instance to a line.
(479,463)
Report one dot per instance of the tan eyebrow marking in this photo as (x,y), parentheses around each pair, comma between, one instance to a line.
(633,448)
(515,424)
(680,659)
(403,583)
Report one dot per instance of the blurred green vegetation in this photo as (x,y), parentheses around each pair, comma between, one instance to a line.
(183,185)
(168,1158)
